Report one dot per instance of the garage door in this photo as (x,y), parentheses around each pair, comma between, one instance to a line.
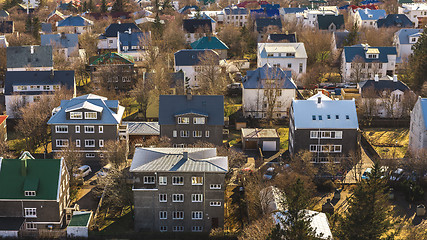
(269,146)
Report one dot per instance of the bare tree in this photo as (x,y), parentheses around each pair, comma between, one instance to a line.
(357,73)
(209,77)
(141,93)
(272,87)
(72,159)
(258,229)
(407,103)
(89,42)
(368,103)
(115,153)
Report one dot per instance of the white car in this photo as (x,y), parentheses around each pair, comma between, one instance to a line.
(82,171)
(104,171)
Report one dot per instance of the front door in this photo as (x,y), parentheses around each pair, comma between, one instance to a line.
(215,223)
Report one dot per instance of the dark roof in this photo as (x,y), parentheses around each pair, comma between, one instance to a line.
(264,12)
(293,10)
(359,50)
(133,39)
(279,37)
(235,11)
(46,27)
(11,223)
(3,13)
(110,58)
(74,21)
(253,79)
(382,85)
(210,105)
(63,78)
(6,26)
(19,57)
(261,23)
(190,57)
(63,40)
(192,25)
(395,20)
(325,21)
(111,31)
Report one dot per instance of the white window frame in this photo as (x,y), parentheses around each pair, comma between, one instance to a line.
(215,204)
(101,142)
(197,197)
(184,133)
(149,179)
(77,129)
(90,155)
(178,228)
(183,120)
(338,134)
(163,180)
(87,142)
(199,120)
(30,212)
(30,226)
(197,229)
(313,148)
(87,129)
(30,193)
(163,197)
(314,134)
(163,228)
(61,142)
(61,129)
(76,115)
(78,144)
(178,197)
(196,180)
(163,215)
(101,129)
(88,115)
(176,215)
(174,133)
(197,134)
(215,186)
(197,215)
(175,180)
(337,147)
(207,133)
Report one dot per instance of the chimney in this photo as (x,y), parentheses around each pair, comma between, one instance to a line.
(32,49)
(319,100)
(52,74)
(394,78)
(189,95)
(130,31)
(185,155)
(376,78)
(366,11)
(336,13)
(24,167)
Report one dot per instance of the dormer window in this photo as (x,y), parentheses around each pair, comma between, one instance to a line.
(183,120)
(90,115)
(30,193)
(292,54)
(76,115)
(372,56)
(413,40)
(199,120)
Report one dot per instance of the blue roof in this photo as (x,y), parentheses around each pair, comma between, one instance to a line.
(205,16)
(26,78)
(293,10)
(111,31)
(74,21)
(60,40)
(210,105)
(190,57)
(395,20)
(185,8)
(208,43)
(46,27)
(358,50)
(256,13)
(423,103)
(376,14)
(369,2)
(252,78)
(235,11)
(132,39)
(403,34)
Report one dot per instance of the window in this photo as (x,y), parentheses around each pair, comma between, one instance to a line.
(325,148)
(30,212)
(329,116)
(163,228)
(337,116)
(77,129)
(196,197)
(178,228)
(300,68)
(177,197)
(149,179)
(89,143)
(62,142)
(314,134)
(197,215)
(326,134)
(89,129)
(30,226)
(196,228)
(347,117)
(90,115)
(163,197)
(207,134)
(101,143)
(101,129)
(178,215)
(197,134)
(163,215)
(215,186)
(215,204)
(338,134)
(163,180)
(313,117)
(177,180)
(78,143)
(185,133)
(61,129)
(174,133)
(289,65)
(320,117)
(199,120)
(337,148)
(313,148)
(30,193)
(197,181)
(183,120)
(90,155)
(76,115)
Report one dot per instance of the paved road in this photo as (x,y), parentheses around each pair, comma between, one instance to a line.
(359,168)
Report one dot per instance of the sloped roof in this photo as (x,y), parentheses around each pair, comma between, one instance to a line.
(306,114)
(143,128)
(298,48)
(26,78)
(110,58)
(208,43)
(114,28)
(382,85)
(172,160)
(368,14)
(324,21)
(171,105)
(56,12)
(235,10)
(293,10)
(404,34)
(133,39)
(259,133)
(3,118)
(108,117)
(61,40)
(12,182)
(261,23)
(74,21)
(191,57)
(359,50)
(80,219)
(7,26)
(193,25)
(278,37)
(253,79)
(395,20)
(185,8)
(20,57)
(3,13)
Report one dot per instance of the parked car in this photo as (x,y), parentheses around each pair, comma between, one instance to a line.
(269,173)
(396,175)
(366,173)
(104,171)
(82,171)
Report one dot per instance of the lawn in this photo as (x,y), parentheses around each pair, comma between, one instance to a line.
(388,142)
(283,134)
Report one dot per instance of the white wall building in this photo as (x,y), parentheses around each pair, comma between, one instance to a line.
(404,39)
(236,16)
(310,15)
(368,18)
(414,11)
(418,128)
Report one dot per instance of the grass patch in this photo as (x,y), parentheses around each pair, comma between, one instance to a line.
(388,142)
(234,137)
(110,225)
(284,137)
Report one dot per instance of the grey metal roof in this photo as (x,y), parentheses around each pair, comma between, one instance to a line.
(11,223)
(259,133)
(20,57)
(359,50)
(382,85)
(114,28)
(143,128)
(173,160)
(253,79)
(74,21)
(70,41)
(190,57)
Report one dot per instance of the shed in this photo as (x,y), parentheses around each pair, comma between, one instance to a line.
(10,226)
(79,224)
(266,139)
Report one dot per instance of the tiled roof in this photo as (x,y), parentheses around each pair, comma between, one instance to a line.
(395,20)
(324,21)
(359,50)
(143,128)
(190,57)
(405,33)
(20,57)
(208,43)
(261,23)
(74,21)
(253,79)
(368,14)
(114,28)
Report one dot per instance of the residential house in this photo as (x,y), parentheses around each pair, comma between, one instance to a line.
(74,24)
(188,61)
(330,22)
(384,98)
(86,122)
(282,37)
(404,39)
(418,126)
(414,11)
(266,11)
(7,27)
(265,139)
(212,43)
(55,17)
(236,16)
(267,89)
(252,3)
(32,58)
(34,194)
(66,44)
(133,44)
(188,119)
(339,40)
(395,20)
(264,26)
(4,15)
(112,71)
(206,15)
(184,186)
(23,87)
(3,42)
(291,14)
(309,18)
(109,39)
(142,131)
(327,128)
(361,62)
(79,224)
(3,128)
(368,18)
(196,28)
(289,56)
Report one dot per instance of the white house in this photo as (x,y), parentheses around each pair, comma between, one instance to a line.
(414,11)
(310,15)
(236,16)
(418,128)
(287,56)
(368,18)
(108,40)
(291,14)
(271,81)
(404,39)
(362,62)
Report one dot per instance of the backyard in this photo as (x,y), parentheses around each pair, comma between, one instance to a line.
(388,142)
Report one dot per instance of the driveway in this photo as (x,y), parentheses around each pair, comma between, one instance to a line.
(365,162)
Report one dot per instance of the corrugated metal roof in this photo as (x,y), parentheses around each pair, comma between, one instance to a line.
(143,128)
(23,56)
(259,133)
(253,79)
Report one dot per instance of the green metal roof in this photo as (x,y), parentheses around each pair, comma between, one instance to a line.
(111,58)
(40,175)
(80,220)
(208,43)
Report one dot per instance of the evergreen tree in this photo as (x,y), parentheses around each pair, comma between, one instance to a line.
(91,6)
(118,6)
(103,6)
(36,28)
(352,37)
(368,213)
(418,62)
(84,6)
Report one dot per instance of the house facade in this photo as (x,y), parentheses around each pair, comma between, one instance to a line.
(86,122)
(29,58)
(74,24)
(188,119)
(66,44)
(196,28)
(418,127)
(109,39)
(366,18)
(404,39)
(324,127)
(178,189)
(34,194)
(267,89)
(309,17)
(133,44)
(414,11)
(236,16)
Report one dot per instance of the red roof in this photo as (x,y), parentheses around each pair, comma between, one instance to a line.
(3,118)
(245,3)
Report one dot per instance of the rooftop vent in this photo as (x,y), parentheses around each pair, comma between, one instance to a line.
(185,155)
(376,78)
(394,78)
(32,49)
